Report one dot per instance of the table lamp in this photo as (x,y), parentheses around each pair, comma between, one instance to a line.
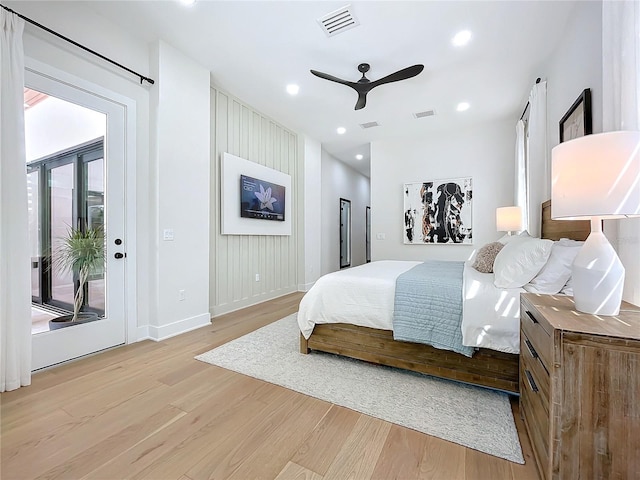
(508,219)
(597,177)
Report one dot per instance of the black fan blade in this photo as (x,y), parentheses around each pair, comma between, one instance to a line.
(362,100)
(403,74)
(331,78)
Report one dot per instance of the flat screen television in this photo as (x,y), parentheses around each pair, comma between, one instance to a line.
(261,199)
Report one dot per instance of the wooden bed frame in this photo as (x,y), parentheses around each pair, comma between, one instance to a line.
(487,368)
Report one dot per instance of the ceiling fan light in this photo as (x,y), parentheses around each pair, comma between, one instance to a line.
(341,130)
(293,89)
(462,106)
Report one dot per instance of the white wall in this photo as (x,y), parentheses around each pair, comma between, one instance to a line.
(485,153)
(312,221)
(575,64)
(54,125)
(180,160)
(341,181)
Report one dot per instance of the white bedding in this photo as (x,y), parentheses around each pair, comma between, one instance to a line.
(364,296)
(360,296)
(491,315)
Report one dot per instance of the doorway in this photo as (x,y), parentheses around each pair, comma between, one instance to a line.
(345,233)
(75,143)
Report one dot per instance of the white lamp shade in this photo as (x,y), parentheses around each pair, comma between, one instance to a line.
(508,219)
(596,176)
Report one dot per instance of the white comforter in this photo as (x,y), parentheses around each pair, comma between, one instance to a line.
(364,296)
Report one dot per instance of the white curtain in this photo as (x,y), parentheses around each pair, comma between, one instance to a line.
(537,166)
(621,111)
(15,284)
(520,187)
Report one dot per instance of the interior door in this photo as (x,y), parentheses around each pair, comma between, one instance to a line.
(101,200)
(345,233)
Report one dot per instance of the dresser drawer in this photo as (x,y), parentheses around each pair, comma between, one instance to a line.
(540,339)
(535,409)
(530,361)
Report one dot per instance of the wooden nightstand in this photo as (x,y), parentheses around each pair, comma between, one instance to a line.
(580,389)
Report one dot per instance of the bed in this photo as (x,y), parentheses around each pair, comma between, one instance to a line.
(488,367)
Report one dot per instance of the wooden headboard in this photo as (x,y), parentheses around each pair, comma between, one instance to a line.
(557,229)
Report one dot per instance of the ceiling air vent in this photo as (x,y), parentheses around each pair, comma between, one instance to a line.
(338,21)
(369,124)
(426,113)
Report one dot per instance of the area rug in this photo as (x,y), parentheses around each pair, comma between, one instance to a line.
(474,417)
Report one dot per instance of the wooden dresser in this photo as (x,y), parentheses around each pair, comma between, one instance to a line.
(580,389)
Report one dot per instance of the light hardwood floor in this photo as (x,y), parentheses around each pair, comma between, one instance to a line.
(150,411)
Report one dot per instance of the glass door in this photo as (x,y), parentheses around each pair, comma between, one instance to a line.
(33,195)
(61,219)
(76,154)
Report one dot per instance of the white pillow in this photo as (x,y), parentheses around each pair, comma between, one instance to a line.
(557,271)
(520,260)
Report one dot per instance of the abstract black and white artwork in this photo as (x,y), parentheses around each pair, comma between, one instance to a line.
(438,212)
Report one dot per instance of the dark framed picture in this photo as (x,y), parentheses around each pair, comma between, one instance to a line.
(577,121)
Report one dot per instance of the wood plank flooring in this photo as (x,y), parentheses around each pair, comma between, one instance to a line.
(150,411)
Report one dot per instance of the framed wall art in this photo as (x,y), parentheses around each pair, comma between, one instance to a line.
(438,212)
(577,121)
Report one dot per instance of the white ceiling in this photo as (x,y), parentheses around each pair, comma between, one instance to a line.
(254,49)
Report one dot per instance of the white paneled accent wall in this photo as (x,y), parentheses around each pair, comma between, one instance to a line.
(237,260)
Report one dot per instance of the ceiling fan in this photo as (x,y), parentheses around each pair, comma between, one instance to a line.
(364,85)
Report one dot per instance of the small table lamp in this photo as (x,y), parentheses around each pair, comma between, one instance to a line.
(508,219)
(597,177)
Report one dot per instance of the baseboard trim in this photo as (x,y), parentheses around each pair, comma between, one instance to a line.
(142,333)
(217,310)
(305,287)
(163,332)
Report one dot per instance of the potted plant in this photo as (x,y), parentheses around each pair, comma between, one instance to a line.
(82,253)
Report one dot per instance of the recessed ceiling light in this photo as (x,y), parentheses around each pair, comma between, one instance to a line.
(359,156)
(341,130)
(188,3)
(293,89)
(462,106)
(461,38)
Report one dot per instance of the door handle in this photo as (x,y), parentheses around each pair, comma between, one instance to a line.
(119,255)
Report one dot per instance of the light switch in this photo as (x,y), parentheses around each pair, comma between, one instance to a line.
(380,236)
(167,235)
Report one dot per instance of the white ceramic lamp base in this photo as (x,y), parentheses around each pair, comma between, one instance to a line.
(598,275)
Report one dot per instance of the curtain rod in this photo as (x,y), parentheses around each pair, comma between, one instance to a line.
(66,39)
(527,105)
